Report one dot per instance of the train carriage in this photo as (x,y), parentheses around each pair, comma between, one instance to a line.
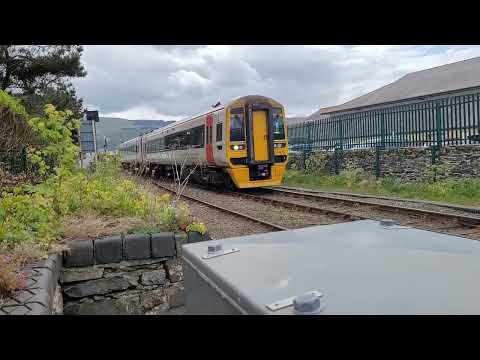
(241,143)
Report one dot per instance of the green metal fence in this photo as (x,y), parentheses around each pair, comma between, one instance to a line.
(13,162)
(440,122)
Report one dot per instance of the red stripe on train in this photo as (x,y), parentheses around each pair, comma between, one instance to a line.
(209,137)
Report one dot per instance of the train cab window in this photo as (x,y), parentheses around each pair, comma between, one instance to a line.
(237,125)
(278,125)
(219,132)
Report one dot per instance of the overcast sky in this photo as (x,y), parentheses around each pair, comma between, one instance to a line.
(171,82)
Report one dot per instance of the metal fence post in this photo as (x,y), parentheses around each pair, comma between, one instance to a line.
(382,128)
(438,124)
(434,154)
(377,162)
(336,160)
(340,129)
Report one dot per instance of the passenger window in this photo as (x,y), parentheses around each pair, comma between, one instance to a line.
(278,125)
(237,125)
(219,132)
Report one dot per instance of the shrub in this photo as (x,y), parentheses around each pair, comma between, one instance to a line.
(197,227)
(15,131)
(54,130)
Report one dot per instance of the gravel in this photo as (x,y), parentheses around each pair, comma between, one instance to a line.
(221,225)
(289,218)
(427,222)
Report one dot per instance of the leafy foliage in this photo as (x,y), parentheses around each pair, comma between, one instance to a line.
(40,75)
(28,68)
(56,144)
(14,128)
(197,227)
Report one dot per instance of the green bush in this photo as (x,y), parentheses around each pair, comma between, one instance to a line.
(197,227)
(54,130)
(35,213)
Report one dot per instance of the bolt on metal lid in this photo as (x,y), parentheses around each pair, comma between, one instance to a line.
(214,248)
(307,304)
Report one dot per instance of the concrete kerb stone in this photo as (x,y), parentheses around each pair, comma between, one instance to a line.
(163,244)
(116,249)
(108,250)
(136,247)
(181,238)
(81,254)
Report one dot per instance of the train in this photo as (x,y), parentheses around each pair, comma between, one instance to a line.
(242,143)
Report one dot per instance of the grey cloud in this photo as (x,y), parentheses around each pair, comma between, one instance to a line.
(184,80)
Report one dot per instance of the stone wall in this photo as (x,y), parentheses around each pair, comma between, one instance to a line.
(406,164)
(136,287)
(134,275)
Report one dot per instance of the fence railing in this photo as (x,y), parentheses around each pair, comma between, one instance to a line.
(13,162)
(440,122)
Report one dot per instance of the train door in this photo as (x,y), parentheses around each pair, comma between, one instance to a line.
(208,140)
(218,139)
(260,135)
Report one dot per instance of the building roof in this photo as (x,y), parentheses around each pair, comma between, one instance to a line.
(295,120)
(441,79)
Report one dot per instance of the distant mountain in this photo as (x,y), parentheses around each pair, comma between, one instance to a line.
(118,130)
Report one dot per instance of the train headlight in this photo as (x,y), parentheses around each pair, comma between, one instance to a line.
(237,147)
(279,145)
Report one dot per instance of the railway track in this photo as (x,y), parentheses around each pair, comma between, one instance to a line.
(274,227)
(443,219)
(467,209)
(324,196)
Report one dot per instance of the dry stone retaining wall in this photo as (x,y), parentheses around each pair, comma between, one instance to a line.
(406,164)
(133,274)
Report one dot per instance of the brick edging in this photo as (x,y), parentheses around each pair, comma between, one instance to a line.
(37,296)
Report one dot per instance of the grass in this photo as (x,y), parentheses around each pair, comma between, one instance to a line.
(463,192)
(34,219)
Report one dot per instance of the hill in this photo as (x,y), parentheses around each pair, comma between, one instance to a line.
(118,130)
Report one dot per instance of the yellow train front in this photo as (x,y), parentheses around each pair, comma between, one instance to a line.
(241,143)
(256,142)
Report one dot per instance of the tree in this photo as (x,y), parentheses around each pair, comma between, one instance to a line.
(31,68)
(41,74)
